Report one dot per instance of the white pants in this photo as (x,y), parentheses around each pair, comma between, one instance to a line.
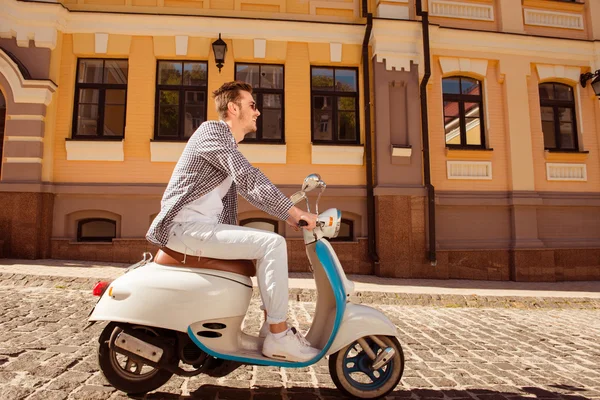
(230,242)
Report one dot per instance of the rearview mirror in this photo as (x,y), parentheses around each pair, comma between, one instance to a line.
(311,182)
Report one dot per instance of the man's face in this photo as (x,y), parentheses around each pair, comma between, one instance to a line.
(248,112)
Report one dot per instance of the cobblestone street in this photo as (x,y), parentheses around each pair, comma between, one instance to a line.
(451,352)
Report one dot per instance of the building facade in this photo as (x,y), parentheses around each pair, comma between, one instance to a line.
(469,152)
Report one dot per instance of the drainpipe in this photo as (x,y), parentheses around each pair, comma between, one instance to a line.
(372,244)
(425,133)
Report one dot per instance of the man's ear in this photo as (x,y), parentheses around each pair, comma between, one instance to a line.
(232,108)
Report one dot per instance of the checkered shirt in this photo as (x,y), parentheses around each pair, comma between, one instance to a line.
(210,156)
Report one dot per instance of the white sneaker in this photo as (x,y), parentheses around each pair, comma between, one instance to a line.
(264,330)
(291,347)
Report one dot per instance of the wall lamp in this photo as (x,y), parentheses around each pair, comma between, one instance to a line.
(595,83)
(219,49)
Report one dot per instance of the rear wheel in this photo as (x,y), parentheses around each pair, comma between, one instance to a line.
(350,369)
(124,373)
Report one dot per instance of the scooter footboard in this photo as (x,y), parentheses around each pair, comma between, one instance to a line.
(360,321)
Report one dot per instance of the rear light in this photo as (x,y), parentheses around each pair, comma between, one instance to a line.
(100,288)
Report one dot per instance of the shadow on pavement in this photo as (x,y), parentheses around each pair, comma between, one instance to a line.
(212,392)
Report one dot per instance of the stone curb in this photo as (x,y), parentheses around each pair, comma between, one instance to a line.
(363,297)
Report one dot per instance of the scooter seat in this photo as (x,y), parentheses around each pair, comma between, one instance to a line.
(171,258)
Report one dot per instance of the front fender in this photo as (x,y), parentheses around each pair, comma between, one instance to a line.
(360,321)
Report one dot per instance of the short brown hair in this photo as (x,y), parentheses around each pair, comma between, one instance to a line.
(229,92)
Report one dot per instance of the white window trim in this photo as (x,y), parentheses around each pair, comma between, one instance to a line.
(95,150)
(552,168)
(554,19)
(337,155)
(166,151)
(470,164)
(462,10)
(264,153)
(255,152)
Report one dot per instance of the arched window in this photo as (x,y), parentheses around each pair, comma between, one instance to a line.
(96,230)
(261,223)
(346,231)
(463,112)
(557,105)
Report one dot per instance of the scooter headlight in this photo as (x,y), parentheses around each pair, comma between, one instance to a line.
(330,222)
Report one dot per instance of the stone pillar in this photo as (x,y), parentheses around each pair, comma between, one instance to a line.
(593,9)
(26,215)
(511,16)
(524,200)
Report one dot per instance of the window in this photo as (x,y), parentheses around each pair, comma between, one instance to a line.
(261,223)
(463,107)
(334,95)
(346,233)
(557,105)
(100,99)
(96,230)
(181,92)
(267,90)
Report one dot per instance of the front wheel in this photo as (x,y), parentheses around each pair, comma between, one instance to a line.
(351,371)
(126,374)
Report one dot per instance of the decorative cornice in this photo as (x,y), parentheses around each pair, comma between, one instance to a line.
(41,21)
(498,43)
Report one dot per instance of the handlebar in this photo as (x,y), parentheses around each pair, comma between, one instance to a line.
(302,223)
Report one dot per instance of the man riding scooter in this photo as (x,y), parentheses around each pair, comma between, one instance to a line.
(198,216)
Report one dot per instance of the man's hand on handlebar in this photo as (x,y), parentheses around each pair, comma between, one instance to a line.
(302,218)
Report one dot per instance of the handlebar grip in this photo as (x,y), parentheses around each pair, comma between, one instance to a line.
(302,223)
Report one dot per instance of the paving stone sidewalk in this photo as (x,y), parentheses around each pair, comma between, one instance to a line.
(451,353)
(369,289)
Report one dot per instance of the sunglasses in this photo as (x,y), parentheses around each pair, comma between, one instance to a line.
(253,106)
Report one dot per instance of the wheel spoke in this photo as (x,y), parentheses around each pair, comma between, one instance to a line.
(352,359)
(370,374)
(354,368)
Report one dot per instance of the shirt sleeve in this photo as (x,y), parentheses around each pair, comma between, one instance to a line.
(217,146)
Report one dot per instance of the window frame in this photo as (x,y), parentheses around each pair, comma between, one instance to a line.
(335,94)
(555,104)
(101,87)
(259,104)
(84,221)
(182,90)
(461,99)
(273,222)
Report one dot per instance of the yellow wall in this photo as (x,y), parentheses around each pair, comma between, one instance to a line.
(139,131)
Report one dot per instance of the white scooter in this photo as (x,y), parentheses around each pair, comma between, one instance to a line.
(192,312)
